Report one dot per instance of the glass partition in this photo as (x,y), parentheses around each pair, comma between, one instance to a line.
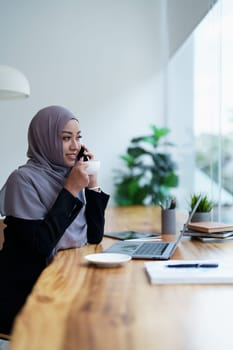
(200,110)
(213,108)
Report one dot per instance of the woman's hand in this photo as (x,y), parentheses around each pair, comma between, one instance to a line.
(93,181)
(87,153)
(77,178)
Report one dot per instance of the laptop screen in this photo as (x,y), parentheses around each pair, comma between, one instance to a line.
(188,220)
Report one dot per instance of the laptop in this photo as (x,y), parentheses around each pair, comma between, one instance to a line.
(150,250)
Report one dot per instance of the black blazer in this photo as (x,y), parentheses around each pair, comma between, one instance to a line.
(28,245)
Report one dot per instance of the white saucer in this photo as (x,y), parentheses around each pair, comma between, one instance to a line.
(108,259)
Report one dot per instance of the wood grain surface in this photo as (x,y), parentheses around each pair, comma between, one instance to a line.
(75,305)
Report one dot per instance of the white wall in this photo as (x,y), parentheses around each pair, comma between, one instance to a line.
(184,16)
(99,58)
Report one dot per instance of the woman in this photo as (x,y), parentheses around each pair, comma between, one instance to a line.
(50,203)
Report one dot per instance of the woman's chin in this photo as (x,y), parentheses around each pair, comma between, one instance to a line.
(70,163)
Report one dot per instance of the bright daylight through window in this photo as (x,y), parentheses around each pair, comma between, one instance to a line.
(213,107)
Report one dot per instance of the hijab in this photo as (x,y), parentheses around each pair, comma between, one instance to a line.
(31,190)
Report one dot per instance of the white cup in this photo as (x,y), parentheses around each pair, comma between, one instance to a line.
(92,167)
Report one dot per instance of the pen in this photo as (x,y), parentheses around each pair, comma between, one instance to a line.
(173,203)
(146,239)
(195,265)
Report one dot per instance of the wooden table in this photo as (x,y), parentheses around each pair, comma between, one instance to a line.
(78,306)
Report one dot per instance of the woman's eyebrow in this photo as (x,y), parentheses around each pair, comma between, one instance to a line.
(70,132)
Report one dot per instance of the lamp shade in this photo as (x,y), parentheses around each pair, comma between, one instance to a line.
(13,84)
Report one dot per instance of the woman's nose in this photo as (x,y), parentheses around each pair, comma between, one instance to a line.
(75,144)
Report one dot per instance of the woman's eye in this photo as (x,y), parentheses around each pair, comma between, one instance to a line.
(66,138)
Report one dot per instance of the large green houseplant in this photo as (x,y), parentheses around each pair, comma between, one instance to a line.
(148,172)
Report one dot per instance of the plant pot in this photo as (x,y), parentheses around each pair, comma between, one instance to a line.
(201,216)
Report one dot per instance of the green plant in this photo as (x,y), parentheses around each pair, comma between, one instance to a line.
(205,205)
(148,174)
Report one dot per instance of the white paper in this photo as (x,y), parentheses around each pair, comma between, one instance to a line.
(159,273)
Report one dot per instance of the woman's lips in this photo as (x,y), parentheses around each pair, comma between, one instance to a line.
(71,156)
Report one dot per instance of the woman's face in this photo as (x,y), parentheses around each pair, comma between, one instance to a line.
(71,135)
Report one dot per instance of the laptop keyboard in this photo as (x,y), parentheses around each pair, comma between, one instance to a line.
(152,249)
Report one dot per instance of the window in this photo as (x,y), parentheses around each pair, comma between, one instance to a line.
(213,107)
(200,111)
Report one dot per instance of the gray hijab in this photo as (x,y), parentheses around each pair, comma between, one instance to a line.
(31,190)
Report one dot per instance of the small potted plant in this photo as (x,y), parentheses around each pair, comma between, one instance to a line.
(203,211)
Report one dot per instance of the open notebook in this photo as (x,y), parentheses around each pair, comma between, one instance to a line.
(150,250)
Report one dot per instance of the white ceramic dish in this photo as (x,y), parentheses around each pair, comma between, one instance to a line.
(108,259)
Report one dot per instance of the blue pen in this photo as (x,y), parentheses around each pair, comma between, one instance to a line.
(195,265)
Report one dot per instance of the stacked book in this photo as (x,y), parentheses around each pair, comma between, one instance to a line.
(210,231)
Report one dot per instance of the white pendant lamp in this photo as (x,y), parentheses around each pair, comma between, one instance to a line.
(13,84)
